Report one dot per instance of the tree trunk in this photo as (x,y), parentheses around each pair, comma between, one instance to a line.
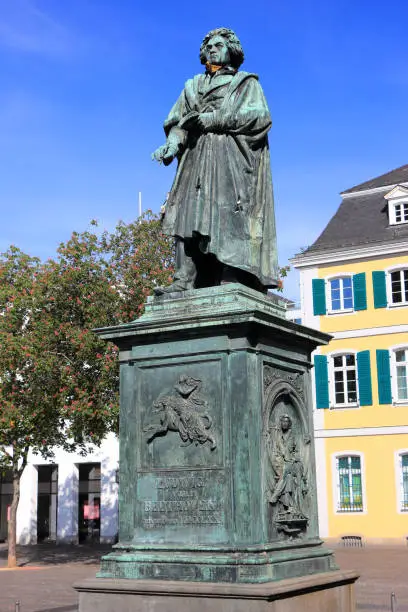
(12,524)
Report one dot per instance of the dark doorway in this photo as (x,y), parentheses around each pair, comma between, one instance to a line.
(6,496)
(89,500)
(47,502)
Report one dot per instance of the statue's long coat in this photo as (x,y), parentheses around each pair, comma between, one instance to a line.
(223,186)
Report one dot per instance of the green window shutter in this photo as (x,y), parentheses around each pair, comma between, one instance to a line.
(383,377)
(322,381)
(319,296)
(359,291)
(380,290)
(364,378)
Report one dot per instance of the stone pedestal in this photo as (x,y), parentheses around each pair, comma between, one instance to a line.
(217,475)
(328,592)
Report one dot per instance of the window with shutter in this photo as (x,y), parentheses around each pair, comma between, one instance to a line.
(346,293)
(383,376)
(343,380)
(399,374)
(364,378)
(379,289)
(398,287)
(360,293)
(319,296)
(340,294)
(321,381)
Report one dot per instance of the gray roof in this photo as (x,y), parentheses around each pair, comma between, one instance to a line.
(281,297)
(360,220)
(393,177)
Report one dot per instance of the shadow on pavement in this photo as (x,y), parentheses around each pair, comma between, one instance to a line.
(55,554)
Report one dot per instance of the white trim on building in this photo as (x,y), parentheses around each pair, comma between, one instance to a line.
(361,253)
(351,432)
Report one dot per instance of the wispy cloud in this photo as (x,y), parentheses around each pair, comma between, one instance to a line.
(26,28)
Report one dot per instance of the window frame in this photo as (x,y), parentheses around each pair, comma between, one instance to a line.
(399,482)
(332,392)
(388,285)
(328,281)
(336,483)
(392,212)
(393,372)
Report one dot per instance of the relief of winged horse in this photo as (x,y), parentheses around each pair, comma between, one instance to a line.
(184,412)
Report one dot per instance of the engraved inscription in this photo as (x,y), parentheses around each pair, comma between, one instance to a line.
(183,500)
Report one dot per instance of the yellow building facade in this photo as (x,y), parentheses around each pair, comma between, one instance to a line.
(354,286)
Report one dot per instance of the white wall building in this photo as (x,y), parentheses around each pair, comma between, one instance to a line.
(70,499)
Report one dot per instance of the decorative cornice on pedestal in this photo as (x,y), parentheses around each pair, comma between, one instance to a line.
(200,309)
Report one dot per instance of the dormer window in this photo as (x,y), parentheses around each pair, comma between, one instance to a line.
(401,212)
(397,205)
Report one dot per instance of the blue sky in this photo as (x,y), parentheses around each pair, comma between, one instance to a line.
(86,84)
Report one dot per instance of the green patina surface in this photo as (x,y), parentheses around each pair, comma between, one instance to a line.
(212,487)
(220,209)
(217,475)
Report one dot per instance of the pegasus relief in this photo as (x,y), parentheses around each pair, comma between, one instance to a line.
(184,412)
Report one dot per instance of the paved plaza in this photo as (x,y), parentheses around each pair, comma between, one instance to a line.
(43,581)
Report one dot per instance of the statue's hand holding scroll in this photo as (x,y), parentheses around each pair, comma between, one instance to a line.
(166,153)
(174,145)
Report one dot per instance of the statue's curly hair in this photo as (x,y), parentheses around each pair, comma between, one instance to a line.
(233,43)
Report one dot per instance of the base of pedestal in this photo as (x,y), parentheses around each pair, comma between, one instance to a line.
(327,592)
(254,564)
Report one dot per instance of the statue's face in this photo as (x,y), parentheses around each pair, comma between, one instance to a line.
(285,423)
(217,52)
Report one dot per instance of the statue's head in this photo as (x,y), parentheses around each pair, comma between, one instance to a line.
(285,422)
(222,48)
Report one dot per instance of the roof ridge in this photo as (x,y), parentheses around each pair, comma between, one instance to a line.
(392,177)
(360,219)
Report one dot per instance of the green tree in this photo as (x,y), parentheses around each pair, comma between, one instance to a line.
(58,380)
(28,386)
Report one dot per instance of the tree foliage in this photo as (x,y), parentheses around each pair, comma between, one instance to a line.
(58,379)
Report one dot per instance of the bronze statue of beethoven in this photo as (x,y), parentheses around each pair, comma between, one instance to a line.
(220,208)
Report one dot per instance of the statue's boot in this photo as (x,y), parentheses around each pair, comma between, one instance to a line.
(185,275)
(176,285)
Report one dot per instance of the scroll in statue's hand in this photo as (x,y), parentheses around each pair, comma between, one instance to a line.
(166,153)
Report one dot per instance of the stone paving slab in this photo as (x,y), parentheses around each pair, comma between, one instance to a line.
(43,582)
(44,578)
(382,570)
